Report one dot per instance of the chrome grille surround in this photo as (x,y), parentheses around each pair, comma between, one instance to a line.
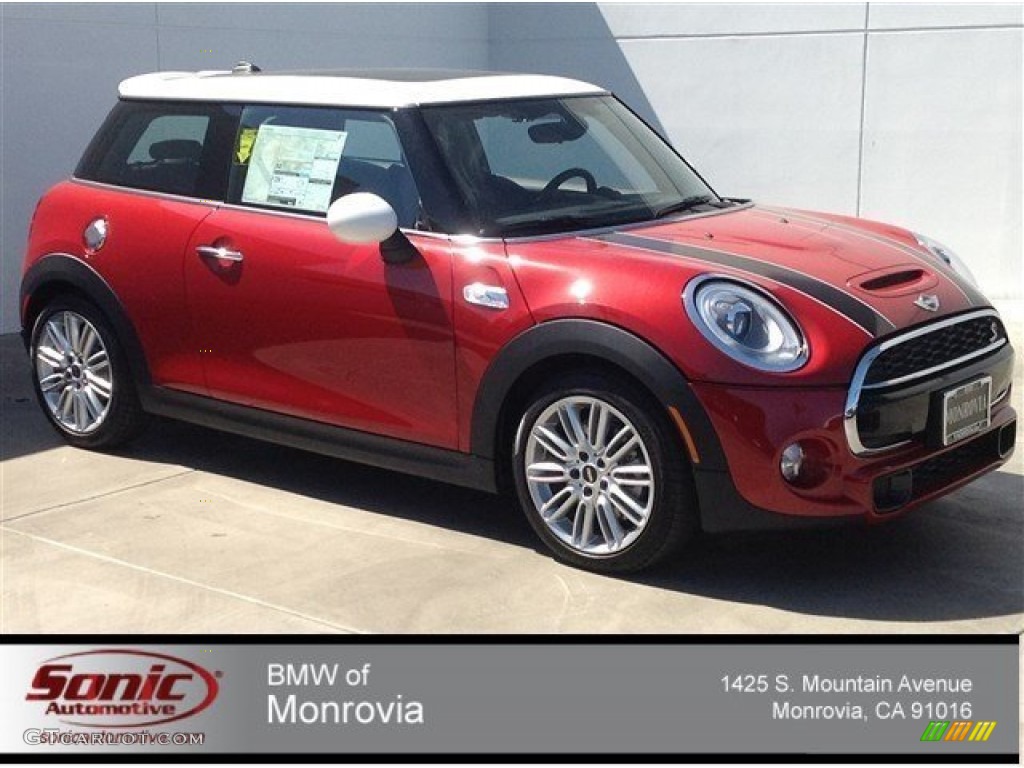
(860,374)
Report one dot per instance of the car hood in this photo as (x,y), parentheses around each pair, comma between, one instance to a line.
(878,276)
(847,282)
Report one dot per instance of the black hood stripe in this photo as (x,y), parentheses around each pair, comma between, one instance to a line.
(846,304)
(973,296)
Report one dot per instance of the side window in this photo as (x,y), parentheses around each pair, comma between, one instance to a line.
(188,129)
(373,140)
(179,149)
(304,158)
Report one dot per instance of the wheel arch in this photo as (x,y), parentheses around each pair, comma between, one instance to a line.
(558,345)
(60,274)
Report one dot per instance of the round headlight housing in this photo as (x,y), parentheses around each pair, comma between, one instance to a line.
(947,257)
(746,324)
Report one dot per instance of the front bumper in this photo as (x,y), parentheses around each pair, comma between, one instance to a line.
(754,426)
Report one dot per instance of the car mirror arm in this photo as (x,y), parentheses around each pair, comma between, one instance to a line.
(398,249)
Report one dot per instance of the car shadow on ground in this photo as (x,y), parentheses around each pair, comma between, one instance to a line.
(956,559)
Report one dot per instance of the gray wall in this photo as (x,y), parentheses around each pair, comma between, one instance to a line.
(910,114)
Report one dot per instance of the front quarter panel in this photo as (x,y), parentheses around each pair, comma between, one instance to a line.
(481,332)
(641,292)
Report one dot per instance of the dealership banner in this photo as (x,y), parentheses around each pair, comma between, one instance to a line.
(502,697)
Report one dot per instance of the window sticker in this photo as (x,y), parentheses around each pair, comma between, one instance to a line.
(245,139)
(293,167)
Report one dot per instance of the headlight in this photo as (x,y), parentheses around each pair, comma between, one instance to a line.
(947,257)
(746,324)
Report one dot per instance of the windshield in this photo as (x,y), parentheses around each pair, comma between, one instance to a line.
(535,166)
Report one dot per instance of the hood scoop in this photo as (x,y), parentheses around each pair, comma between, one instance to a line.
(894,281)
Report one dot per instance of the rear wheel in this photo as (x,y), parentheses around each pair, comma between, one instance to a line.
(81,376)
(600,477)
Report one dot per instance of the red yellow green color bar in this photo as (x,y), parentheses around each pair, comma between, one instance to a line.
(958,730)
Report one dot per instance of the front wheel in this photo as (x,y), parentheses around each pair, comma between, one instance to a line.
(600,475)
(81,376)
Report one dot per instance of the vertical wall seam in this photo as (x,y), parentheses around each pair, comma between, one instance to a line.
(863,106)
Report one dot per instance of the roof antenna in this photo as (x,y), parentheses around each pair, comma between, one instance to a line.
(244,68)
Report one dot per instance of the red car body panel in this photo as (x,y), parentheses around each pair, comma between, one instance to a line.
(309,327)
(481,332)
(581,277)
(756,414)
(148,285)
(323,330)
(756,424)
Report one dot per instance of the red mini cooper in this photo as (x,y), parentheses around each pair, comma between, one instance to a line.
(504,281)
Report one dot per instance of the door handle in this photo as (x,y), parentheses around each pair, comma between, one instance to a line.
(219,252)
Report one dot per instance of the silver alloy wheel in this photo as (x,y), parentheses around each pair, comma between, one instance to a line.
(589,475)
(73,371)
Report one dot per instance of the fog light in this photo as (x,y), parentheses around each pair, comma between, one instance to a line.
(792,462)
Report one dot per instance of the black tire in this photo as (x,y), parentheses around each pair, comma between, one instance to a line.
(123,417)
(673,517)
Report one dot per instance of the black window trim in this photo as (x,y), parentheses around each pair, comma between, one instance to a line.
(443,211)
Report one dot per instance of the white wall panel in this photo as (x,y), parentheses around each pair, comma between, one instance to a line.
(942,149)
(775,118)
(659,20)
(772,118)
(924,16)
(510,21)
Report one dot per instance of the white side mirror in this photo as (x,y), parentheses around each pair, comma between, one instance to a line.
(362,217)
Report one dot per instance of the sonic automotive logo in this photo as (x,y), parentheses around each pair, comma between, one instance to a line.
(120,688)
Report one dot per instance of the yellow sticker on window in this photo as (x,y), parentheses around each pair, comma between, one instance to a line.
(243,151)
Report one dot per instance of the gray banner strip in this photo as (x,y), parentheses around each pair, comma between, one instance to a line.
(516,699)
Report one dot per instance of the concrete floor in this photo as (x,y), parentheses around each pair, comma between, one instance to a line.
(189,530)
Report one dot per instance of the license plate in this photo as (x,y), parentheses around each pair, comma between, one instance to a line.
(965,410)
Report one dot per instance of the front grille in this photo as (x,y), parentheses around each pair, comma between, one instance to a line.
(936,348)
(895,395)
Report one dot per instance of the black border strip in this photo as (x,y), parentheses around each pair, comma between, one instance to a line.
(523,758)
(532,639)
(854,309)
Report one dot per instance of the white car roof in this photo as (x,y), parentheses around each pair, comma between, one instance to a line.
(363,88)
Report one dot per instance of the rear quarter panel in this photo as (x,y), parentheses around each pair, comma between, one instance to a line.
(142,262)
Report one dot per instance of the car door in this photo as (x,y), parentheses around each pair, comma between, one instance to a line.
(290,319)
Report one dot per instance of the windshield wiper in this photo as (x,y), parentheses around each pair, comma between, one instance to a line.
(548,225)
(693,201)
